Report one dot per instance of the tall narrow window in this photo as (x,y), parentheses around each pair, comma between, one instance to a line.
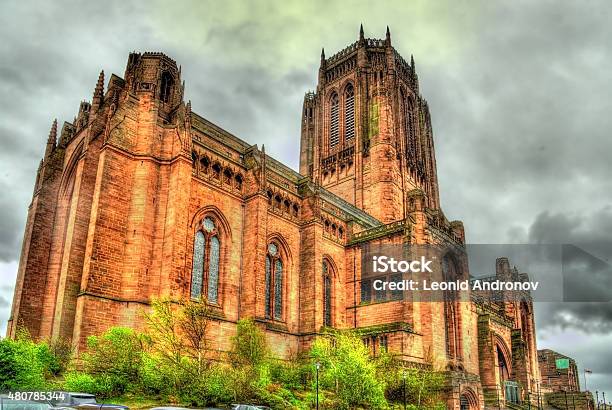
(327,293)
(334,127)
(451,317)
(349,112)
(166,87)
(409,127)
(206,259)
(274,283)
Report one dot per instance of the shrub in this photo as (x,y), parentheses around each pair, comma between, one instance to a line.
(8,365)
(249,345)
(292,375)
(24,364)
(114,359)
(219,384)
(62,350)
(423,387)
(348,370)
(81,382)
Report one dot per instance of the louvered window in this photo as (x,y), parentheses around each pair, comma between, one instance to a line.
(349,112)
(334,126)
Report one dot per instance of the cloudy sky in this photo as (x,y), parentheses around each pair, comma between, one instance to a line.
(519,93)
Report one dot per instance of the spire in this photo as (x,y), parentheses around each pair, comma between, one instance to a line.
(52,140)
(98,95)
(361,36)
(412,62)
(264,178)
(322,55)
(388,37)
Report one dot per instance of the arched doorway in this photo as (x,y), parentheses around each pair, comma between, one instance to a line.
(504,371)
(508,389)
(468,400)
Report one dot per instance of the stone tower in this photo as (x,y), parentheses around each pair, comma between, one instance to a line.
(115,178)
(366,131)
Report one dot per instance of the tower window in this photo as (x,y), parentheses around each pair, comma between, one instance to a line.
(334,129)
(349,112)
(165,90)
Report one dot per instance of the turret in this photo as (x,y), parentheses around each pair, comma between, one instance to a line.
(83,117)
(98,96)
(51,140)
(157,75)
(322,68)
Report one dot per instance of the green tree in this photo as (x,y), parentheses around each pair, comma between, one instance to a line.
(347,370)
(114,359)
(177,363)
(249,346)
(24,364)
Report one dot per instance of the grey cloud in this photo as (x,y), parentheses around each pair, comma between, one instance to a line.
(4,302)
(588,273)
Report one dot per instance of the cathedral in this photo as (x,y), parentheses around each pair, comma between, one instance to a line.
(139,197)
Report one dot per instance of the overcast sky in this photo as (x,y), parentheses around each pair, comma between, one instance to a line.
(519,93)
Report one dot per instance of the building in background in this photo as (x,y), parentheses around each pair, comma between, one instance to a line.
(559,372)
(139,197)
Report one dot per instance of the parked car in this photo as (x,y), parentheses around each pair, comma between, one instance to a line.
(99,406)
(83,401)
(10,404)
(181,408)
(70,399)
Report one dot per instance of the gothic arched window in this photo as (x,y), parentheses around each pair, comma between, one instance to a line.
(407,115)
(165,90)
(334,126)
(349,112)
(327,294)
(206,256)
(274,283)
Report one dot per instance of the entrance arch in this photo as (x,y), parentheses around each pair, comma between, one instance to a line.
(468,400)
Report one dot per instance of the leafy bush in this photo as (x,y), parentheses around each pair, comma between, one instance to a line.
(249,344)
(423,387)
(292,375)
(114,359)
(62,351)
(24,364)
(81,382)
(347,369)
(219,384)
(8,365)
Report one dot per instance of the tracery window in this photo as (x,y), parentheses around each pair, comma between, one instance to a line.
(206,257)
(274,283)
(334,126)
(349,112)
(327,294)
